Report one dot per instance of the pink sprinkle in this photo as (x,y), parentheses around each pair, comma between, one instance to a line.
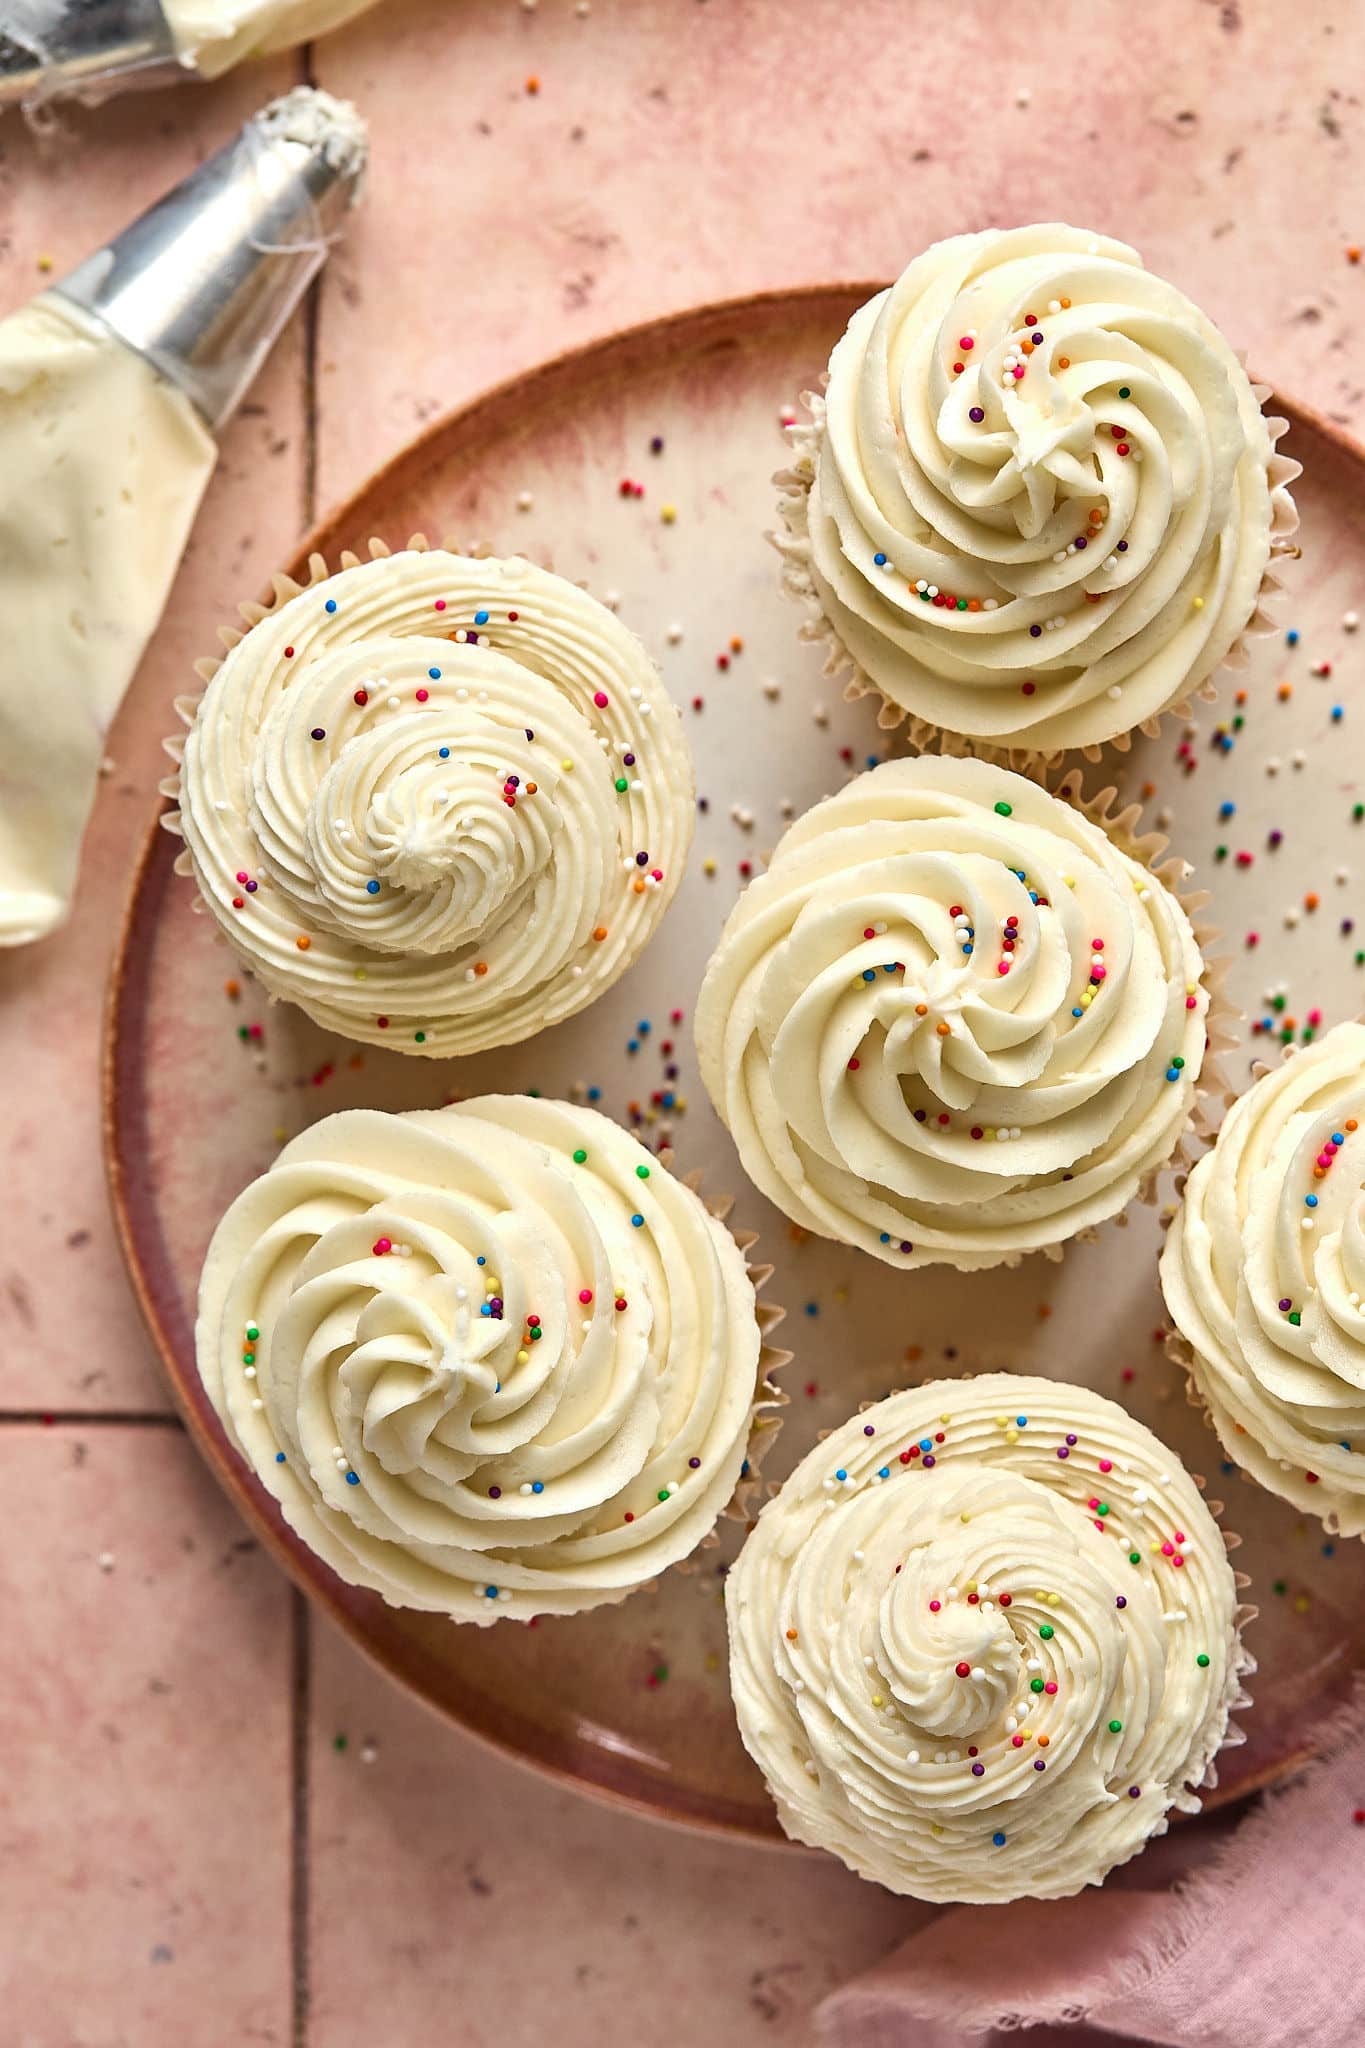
(1315,1018)
(1002,967)
(1106,1465)
(440,604)
(1191,1002)
(1017,1741)
(934,1606)
(382,1245)
(1097,945)
(422,696)
(1097,973)
(965,341)
(868,932)
(1168,1550)
(600,699)
(1051,1685)
(585,1295)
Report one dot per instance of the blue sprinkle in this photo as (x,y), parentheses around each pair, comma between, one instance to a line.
(1227,1466)
(1338,1137)
(594,1094)
(638,1221)
(872,760)
(443,753)
(926,1443)
(999,1841)
(744,1469)
(1022,1421)
(1172,1073)
(480,618)
(484,1309)
(880,560)
(969,950)
(1310,1201)
(885,1472)
(372,887)
(1329,1549)
(482,1260)
(353,1479)
(1078,1013)
(869,974)
(812,1308)
(643,1027)
(490,1592)
(1292,636)
(279,1457)
(888,970)
(886,1237)
(632,1045)
(1338,713)
(1226,808)
(841,1474)
(1344,1445)
(537,1486)
(1033,895)
(331,604)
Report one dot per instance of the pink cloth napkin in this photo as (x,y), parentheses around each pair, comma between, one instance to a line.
(1259,1944)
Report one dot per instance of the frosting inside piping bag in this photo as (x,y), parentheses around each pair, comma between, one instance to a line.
(105,463)
(213,35)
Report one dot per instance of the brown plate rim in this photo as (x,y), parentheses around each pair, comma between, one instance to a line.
(717,323)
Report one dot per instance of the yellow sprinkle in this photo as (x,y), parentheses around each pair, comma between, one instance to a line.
(668,513)
(877,1700)
(362,974)
(708,866)
(935,1828)
(712,1661)
(841,1294)
(971,1585)
(44,264)
(523,1358)
(945,1418)
(1011,1436)
(1054,1599)
(1001,1421)
(1302,1603)
(567,766)
(491,1284)
(1070,881)
(965,1518)
(1198,603)
(990,1131)
(280,1134)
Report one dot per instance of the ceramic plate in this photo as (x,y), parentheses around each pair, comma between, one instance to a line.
(631,1702)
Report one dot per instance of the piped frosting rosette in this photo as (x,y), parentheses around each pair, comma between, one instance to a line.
(984,1639)
(1263,1271)
(1036,504)
(439,802)
(491,1359)
(957,1020)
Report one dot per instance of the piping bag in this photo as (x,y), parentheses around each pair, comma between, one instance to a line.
(91,49)
(113,385)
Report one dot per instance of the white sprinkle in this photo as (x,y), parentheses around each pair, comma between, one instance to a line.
(1350,620)
(977,1671)
(524,501)
(912,1756)
(105,1560)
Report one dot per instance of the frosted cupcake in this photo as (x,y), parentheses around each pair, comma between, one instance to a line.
(984,1639)
(1036,504)
(1264,1274)
(491,1359)
(439,803)
(957,1020)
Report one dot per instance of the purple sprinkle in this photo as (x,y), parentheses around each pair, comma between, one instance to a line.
(1036,632)
(868,1430)
(1038,1764)
(1070,1438)
(1081,541)
(977,413)
(1123,547)
(495,1493)
(1348,924)
(1285,1306)
(978,1770)
(319,733)
(1062,1451)
(694,1463)
(529,734)
(642,860)
(1120,1601)
(929,1464)
(921,1116)
(514,782)
(252,887)
(1276,837)
(1135,1791)
(629,760)
(906,1246)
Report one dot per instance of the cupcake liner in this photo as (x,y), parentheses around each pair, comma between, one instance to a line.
(792,542)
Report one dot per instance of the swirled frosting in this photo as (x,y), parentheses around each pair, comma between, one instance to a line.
(1264,1274)
(440,803)
(490,1359)
(983,1639)
(1038,498)
(954,1021)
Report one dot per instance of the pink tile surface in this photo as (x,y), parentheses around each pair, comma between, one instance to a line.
(145,1799)
(507,1910)
(674,151)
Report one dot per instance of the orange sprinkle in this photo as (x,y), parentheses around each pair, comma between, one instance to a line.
(1044,1311)
(356,1062)
(530,789)
(973,604)
(942,1029)
(1097,518)
(481,967)
(921,1009)
(1148,791)
(303,942)
(1285,692)
(1063,362)
(1043,1740)
(232,989)
(736,644)
(1353,252)
(638,887)
(1240,698)
(1310,901)
(533,85)
(1351,1124)
(791,1635)
(1066,305)
(913,1353)
(599,932)
(1319,1173)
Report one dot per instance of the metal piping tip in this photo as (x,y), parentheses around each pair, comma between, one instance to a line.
(82,48)
(203,282)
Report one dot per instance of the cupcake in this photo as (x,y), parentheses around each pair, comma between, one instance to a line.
(1263,1271)
(439,803)
(1035,506)
(491,1359)
(984,1639)
(957,1020)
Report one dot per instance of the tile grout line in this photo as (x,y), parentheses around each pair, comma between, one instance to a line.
(301,1698)
(90,1418)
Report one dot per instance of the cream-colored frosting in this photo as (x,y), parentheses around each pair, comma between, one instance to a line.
(1264,1274)
(1083,555)
(459,789)
(213,35)
(899,1075)
(1036,1535)
(415,1432)
(104,464)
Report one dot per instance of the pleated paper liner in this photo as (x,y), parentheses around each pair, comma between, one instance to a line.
(792,541)
(1242,1665)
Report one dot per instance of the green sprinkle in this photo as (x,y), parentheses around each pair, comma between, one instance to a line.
(642,1173)
(1278,1002)
(1124,392)
(962,604)
(621,784)
(663,1493)
(1220,853)
(1358,812)
(1035,1685)
(248,1358)
(1295,1318)
(1202,1660)
(1280,1586)
(419,1037)
(1135,1557)
(1116,1727)
(338,1743)
(1103,1508)
(659,1674)
(1046,1631)
(242,1032)
(1004,810)
(253,1331)
(1177,1062)
(579,1156)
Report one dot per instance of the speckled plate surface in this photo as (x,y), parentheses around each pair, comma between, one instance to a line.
(631,1703)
